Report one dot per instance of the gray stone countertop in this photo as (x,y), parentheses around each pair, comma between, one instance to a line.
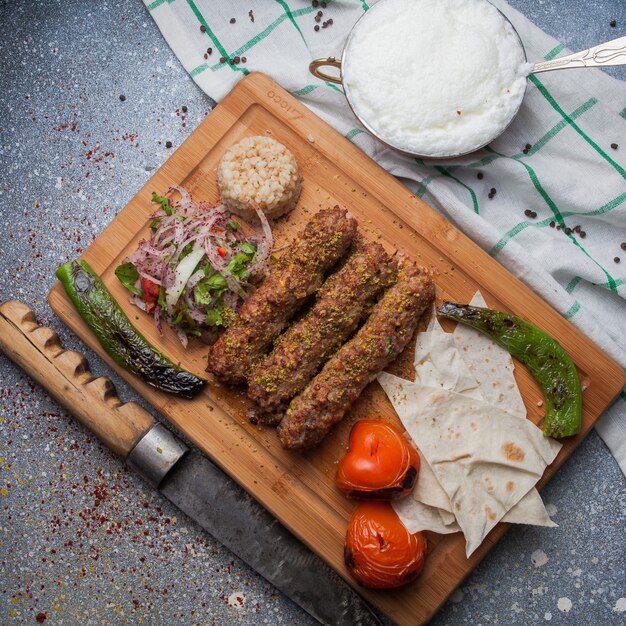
(84,541)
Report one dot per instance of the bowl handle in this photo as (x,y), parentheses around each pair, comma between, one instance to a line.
(333,62)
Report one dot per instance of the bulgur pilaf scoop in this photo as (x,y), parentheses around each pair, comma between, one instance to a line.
(262,171)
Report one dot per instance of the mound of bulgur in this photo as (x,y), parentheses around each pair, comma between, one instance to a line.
(259,170)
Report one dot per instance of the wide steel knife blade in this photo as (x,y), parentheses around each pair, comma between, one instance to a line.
(188,479)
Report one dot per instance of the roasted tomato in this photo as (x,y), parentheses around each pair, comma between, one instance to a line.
(380,552)
(380,463)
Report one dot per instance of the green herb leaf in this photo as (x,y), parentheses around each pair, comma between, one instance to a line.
(161,299)
(164,202)
(202,294)
(232,225)
(216,282)
(128,275)
(249,249)
(237,265)
(214,318)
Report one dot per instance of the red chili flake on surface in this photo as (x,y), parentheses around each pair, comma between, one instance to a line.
(222,252)
(458,112)
(614,146)
(41,617)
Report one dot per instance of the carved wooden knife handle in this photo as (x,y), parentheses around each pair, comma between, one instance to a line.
(65,375)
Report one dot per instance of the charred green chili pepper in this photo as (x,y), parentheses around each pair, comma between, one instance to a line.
(543,356)
(119,338)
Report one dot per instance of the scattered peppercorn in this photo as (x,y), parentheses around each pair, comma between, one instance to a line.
(251,15)
(317,27)
(237,60)
(480,175)
(623,245)
(202,28)
(209,50)
(243,59)
(577,229)
(616,259)
(330,22)
(492,193)
(168,144)
(183,109)
(222,59)
(568,231)
(122,98)
(528,212)
(614,146)
(232,20)
(315,3)
(583,234)
(559,226)
(232,61)
(613,23)
(317,18)
(552,224)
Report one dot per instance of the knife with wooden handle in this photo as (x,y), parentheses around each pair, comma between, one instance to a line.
(185,477)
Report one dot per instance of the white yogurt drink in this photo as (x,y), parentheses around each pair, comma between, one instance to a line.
(434,77)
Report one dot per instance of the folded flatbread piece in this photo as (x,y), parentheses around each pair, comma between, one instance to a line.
(485,459)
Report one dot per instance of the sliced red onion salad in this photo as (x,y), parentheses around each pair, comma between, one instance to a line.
(199,260)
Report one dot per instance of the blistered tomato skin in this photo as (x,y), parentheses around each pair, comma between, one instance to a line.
(380,463)
(379,552)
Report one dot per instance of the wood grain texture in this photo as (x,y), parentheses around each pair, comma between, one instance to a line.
(66,377)
(298,488)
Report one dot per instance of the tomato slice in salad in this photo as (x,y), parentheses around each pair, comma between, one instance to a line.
(150,292)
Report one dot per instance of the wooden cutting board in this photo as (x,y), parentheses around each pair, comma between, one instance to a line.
(298,488)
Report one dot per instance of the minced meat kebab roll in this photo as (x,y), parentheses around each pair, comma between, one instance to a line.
(342,302)
(329,396)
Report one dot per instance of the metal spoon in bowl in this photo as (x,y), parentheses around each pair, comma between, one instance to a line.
(610,53)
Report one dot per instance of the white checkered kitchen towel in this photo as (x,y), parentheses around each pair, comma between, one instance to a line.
(558,158)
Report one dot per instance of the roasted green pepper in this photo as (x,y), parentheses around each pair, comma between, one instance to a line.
(543,356)
(119,338)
